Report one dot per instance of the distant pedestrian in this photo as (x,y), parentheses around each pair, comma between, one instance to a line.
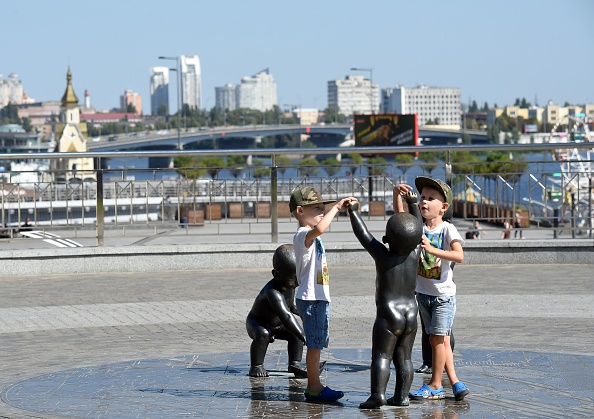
(506,233)
(475,231)
(518,225)
(26,226)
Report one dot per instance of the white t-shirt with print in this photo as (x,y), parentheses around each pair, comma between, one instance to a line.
(312,269)
(435,276)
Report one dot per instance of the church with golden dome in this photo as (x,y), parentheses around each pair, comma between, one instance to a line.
(71,137)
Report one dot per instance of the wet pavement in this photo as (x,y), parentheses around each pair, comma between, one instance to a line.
(173,344)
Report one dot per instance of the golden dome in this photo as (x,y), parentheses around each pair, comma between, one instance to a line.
(69,99)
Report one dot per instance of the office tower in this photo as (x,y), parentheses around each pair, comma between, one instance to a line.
(11,90)
(257,92)
(131,98)
(160,91)
(439,105)
(354,94)
(191,81)
(226,97)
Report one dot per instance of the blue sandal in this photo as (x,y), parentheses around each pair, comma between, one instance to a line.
(427,393)
(326,395)
(460,391)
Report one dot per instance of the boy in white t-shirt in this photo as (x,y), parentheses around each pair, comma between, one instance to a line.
(313,292)
(436,291)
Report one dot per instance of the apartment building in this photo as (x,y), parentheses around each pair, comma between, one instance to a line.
(353,95)
(257,91)
(11,91)
(191,81)
(548,115)
(159,87)
(438,105)
(225,97)
(131,98)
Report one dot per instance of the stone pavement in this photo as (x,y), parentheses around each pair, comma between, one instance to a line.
(173,344)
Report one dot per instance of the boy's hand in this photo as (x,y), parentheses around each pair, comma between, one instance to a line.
(342,204)
(411,198)
(402,189)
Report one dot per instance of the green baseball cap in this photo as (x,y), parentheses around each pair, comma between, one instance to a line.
(440,185)
(306,195)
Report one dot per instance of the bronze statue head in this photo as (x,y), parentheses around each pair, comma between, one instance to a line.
(284,264)
(403,233)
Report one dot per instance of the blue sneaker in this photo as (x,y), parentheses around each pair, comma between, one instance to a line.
(326,395)
(427,393)
(460,391)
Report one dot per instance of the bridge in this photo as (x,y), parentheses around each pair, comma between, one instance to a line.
(329,135)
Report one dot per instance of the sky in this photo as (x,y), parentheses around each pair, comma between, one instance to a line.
(494,51)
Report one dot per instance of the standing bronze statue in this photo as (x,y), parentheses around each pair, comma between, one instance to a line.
(395,324)
(274,316)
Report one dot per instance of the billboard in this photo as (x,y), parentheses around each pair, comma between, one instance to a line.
(386,130)
(530,128)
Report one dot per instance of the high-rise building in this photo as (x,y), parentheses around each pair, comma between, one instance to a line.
(160,91)
(257,92)
(439,105)
(354,94)
(191,81)
(225,97)
(131,98)
(11,90)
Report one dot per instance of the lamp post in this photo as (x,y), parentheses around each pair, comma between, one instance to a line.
(370,70)
(178,71)
(293,113)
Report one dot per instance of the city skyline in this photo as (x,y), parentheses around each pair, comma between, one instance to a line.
(494,52)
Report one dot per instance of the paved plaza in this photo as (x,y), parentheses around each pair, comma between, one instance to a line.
(173,344)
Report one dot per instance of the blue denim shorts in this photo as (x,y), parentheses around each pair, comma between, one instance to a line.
(437,313)
(315,316)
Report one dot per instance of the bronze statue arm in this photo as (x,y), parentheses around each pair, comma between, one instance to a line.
(413,206)
(282,310)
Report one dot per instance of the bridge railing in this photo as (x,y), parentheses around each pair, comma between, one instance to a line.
(545,195)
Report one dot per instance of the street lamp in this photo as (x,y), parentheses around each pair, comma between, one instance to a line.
(298,116)
(178,71)
(370,70)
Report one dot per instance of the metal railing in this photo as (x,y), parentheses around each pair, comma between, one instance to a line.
(547,193)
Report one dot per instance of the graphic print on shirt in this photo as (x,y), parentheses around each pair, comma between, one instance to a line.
(430,265)
(323,275)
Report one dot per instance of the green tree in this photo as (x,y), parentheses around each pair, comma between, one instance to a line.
(162,110)
(493,134)
(235,164)
(376,166)
(463,162)
(309,167)
(283,163)
(189,167)
(130,108)
(430,160)
(213,165)
(259,169)
(333,115)
(331,165)
(355,162)
(404,162)
(26,123)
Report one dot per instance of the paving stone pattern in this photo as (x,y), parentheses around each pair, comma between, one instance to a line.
(174,344)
